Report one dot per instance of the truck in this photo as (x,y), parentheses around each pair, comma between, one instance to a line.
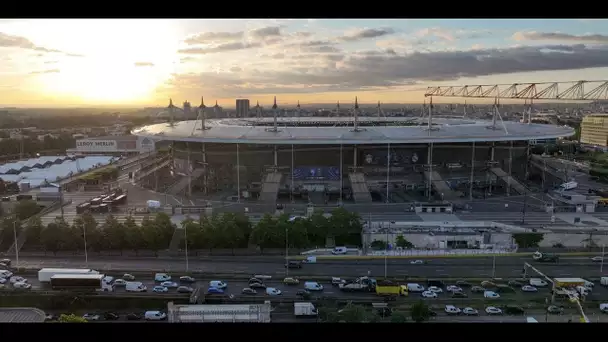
(222,313)
(80,282)
(545,257)
(389,289)
(359,285)
(45,274)
(306,309)
(568,186)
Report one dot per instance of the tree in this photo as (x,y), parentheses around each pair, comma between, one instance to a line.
(26,209)
(528,240)
(50,237)
(152,236)
(34,231)
(420,312)
(115,234)
(71,318)
(378,245)
(345,227)
(398,317)
(134,238)
(263,232)
(317,229)
(354,314)
(400,241)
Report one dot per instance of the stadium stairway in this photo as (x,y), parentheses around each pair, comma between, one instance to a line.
(509,180)
(441,186)
(359,185)
(181,184)
(270,187)
(140,176)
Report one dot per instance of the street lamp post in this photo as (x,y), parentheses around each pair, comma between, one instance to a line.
(16,245)
(185,226)
(84,236)
(602,263)
(493,266)
(286,252)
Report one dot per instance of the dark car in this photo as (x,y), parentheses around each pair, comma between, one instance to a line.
(257,286)
(293,264)
(255,280)
(477,289)
(187,279)
(515,283)
(513,310)
(555,310)
(249,291)
(432,313)
(303,293)
(185,289)
(459,295)
(463,283)
(133,317)
(110,316)
(504,289)
(437,283)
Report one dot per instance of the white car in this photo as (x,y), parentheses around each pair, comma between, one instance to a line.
(160,277)
(452,310)
(597,259)
(24,286)
(271,291)
(435,289)
(160,289)
(604,308)
(218,284)
(429,294)
(128,277)
(470,312)
(491,294)
(492,310)
(120,282)
(417,262)
(529,288)
(169,284)
(18,279)
(2,280)
(91,317)
(454,288)
(108,279)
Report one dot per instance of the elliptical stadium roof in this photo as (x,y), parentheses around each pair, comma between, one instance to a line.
(339,130)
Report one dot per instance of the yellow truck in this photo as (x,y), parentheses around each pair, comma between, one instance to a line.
(390,289)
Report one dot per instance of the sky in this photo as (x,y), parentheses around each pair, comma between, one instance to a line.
(145,62)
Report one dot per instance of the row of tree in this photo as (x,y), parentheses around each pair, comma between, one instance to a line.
(222,231)
(352,313)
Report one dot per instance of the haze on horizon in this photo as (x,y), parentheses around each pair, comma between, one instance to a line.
(144,62)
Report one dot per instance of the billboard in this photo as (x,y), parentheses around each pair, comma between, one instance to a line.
(90,145)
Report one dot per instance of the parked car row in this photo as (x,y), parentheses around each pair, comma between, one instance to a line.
(18,283)
(490,310)
(112,316)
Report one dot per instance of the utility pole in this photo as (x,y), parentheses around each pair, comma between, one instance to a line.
(185,226)
(602,263)
(16,244)
(493,266)
(84,236)
(286,252)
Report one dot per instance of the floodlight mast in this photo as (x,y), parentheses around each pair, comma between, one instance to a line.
(573,299)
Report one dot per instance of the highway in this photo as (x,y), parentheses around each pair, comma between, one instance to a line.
(480,267)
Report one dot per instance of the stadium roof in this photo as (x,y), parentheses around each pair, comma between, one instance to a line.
(319,130)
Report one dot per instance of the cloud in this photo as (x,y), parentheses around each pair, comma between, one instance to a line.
(10,41)
(187,59)
(51,62)
(367,33)
(265,32)
(556,36)
(234,46)
(386,69)
(207,37)
(50,71)
(144,64)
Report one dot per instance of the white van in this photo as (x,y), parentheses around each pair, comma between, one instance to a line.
(313,286)
(604,281)
(415,287)
(537,282)
(584,291)
(135,286)
(155,316)
(339,250)
(589,285)
(604,307)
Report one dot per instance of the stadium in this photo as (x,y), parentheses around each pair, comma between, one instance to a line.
(357,159)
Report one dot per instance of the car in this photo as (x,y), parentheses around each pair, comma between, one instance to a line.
(453,288)
(6,262)
(303,293)
(470,312)
(293,264)
(160,289)
(169,284)
(491,294)
(492,310)
(432,313)
(529,288)
(91,317)
(271,291)
(515,283)
(262,276)
(417,262)
(487,284)
(555,310)
(2,280)
(249,291)
(22,286)
(513,310)
(257,286)
(255,280)
(120,282)
(218,284)
(477,289)
(336,281)
(155,316)
(187,279)
(291,281)
(435,289)
(133,316)
(604,308)
(162,277)
(459,295)
(110,316)
(452,310)
(429,294)
(185,289)
(214,290)
(17,279)
(463,283)
(51,317)
(128,277)
(108,279)
(500,288)
(597,259)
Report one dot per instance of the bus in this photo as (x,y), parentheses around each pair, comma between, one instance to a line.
(78,282)
(45,274)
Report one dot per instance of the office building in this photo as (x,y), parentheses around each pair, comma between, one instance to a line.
(594,130)
(242,108)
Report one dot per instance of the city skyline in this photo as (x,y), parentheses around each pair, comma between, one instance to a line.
(61,62)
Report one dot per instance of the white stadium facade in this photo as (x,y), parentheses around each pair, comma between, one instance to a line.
(356,159)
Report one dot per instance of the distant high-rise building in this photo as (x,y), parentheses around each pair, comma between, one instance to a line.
(242,108)
(594,130)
